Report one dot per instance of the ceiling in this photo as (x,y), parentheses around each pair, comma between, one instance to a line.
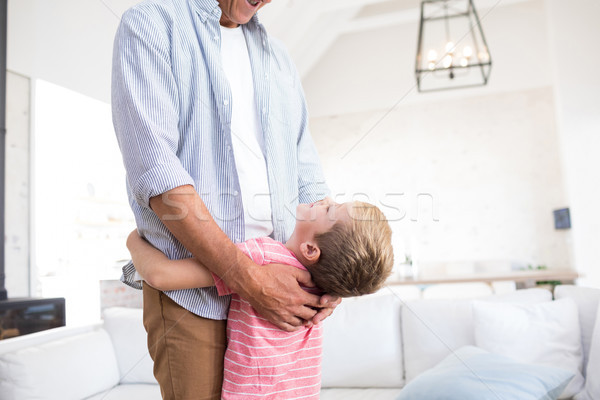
(310,27)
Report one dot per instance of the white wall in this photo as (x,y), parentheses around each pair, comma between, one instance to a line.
(17,208)
(67,42)
(491,163)
(574,31)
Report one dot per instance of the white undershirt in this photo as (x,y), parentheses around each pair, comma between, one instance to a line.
(246,135)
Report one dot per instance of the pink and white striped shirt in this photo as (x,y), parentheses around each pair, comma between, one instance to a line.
(261,360)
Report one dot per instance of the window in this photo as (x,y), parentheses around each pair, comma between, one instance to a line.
(81,216)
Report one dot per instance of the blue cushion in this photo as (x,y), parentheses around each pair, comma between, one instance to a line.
(471,373)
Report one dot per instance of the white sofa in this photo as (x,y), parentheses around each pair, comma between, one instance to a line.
(373,346)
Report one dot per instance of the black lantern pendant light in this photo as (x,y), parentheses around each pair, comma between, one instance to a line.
(451,51)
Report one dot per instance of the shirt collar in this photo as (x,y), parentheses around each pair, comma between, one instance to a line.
(204,8)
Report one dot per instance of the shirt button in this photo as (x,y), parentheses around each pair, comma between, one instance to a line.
(264,110)
(264,42)
(225,102)
(235,193)
(228,148)
(216,37)
(266,76)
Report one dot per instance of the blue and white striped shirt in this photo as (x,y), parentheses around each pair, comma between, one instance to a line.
(172,116)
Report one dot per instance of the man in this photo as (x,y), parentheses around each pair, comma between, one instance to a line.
(208,130)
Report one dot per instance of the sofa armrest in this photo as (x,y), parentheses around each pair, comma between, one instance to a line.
(34,339)
(71,363)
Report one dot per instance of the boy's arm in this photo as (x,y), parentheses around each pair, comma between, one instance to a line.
(164,274)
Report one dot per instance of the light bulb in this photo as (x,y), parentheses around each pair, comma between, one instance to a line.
(432,55)
(464,62)
(483,56)
(467,51)
(448,61)
(431,65)
(450,47)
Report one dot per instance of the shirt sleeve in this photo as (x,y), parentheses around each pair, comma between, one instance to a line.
(145,107)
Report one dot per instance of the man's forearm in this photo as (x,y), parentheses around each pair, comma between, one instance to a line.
(184,213)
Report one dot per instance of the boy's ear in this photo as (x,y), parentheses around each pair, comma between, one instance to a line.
(310,251)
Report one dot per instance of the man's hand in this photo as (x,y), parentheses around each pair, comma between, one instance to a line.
(276,295)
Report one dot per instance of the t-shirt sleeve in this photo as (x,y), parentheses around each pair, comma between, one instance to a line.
(222,288)
(251,248)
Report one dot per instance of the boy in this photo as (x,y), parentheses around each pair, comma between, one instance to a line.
(346,248)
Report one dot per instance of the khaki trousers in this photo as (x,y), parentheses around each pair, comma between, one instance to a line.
(187,350)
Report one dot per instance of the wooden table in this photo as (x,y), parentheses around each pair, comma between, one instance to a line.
(527,277)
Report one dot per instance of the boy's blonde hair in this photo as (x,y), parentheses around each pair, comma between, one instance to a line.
(356,256)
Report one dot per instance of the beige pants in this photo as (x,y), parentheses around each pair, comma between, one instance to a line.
(187,350)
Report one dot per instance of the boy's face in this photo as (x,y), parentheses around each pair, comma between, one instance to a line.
(316,218)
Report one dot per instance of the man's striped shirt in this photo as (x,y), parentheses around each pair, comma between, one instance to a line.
(172,108)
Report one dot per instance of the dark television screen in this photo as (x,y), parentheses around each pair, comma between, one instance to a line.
(22,316)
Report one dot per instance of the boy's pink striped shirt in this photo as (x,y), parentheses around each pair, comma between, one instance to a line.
(261,360)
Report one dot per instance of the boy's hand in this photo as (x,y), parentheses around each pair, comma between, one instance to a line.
(328,303)
(276,295)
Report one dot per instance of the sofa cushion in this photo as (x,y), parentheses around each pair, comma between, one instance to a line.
(474,374)
(587,300)
(545,333)
(126,329)
(362,346)
(72,367)
(592,383)
(432,329)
